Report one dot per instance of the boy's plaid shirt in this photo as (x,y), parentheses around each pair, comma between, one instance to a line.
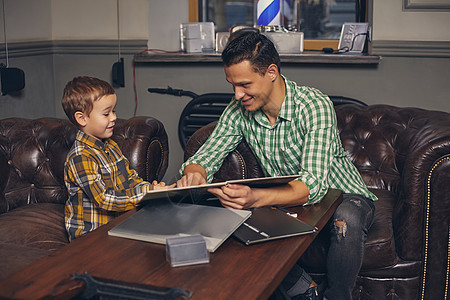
(100,183)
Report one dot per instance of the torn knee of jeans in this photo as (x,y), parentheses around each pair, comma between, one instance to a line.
(356,202)
(341,227)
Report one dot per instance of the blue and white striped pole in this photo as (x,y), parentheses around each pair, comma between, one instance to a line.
(268,13)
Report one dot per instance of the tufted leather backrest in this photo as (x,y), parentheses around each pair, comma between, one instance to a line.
(380,140)
(33,152)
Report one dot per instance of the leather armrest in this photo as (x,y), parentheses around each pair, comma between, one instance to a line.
(421,215)
(143,140)
(425,194)
(3,180)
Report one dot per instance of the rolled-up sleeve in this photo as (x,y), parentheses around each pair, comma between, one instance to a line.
(224,139)
(85,173)
(318,148)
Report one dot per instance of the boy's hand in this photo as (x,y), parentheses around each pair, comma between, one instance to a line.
(162,185)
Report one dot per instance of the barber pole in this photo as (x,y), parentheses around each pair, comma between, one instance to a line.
(268,13)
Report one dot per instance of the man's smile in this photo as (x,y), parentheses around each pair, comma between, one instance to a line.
(247,101)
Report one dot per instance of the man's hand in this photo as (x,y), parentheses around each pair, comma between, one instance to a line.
(192,175)
(235,196)
(191,179)
(243,197)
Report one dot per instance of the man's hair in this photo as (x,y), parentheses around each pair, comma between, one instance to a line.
(254,47)
(80,94)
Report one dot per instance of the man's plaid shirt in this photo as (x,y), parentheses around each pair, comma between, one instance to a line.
(304,140)
(100,183)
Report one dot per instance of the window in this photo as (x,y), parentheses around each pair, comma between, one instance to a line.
(320,20)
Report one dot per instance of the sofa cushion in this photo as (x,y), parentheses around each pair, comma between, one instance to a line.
(379,251)
(16,257)
(35,225)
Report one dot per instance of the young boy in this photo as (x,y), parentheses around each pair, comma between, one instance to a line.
(98,177)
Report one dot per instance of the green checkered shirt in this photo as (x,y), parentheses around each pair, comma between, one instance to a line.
(304,140)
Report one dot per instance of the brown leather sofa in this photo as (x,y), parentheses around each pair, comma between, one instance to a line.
(32,190)
(403,155)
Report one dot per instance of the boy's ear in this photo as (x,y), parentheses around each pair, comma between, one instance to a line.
(80,118)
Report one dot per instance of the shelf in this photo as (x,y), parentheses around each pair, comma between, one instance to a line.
(301,58)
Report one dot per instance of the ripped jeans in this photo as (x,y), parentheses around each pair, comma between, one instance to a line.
(348,230)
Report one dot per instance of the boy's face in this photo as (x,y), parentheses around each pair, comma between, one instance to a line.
(100,122)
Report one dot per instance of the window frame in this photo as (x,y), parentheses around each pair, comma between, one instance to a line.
(362,6)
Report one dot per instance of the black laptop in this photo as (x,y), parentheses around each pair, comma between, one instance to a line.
(270,223)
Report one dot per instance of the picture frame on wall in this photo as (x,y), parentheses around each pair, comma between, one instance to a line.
(427,5)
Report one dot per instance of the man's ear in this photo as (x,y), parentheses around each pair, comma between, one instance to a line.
(80,118)
(272,71)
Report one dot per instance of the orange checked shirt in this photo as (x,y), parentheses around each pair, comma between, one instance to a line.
(100,183)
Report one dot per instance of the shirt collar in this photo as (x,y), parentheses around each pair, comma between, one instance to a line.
(287,108)
(91,141)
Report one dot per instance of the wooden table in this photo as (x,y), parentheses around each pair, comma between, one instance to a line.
(235,271)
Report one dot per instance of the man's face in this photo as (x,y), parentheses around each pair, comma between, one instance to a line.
(100,122)
(250,87)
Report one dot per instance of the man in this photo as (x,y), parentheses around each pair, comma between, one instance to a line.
(292,130)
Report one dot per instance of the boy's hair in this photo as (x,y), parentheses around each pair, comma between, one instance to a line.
(254,47)
(80,94)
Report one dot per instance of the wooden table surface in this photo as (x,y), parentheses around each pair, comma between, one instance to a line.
(235,271)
